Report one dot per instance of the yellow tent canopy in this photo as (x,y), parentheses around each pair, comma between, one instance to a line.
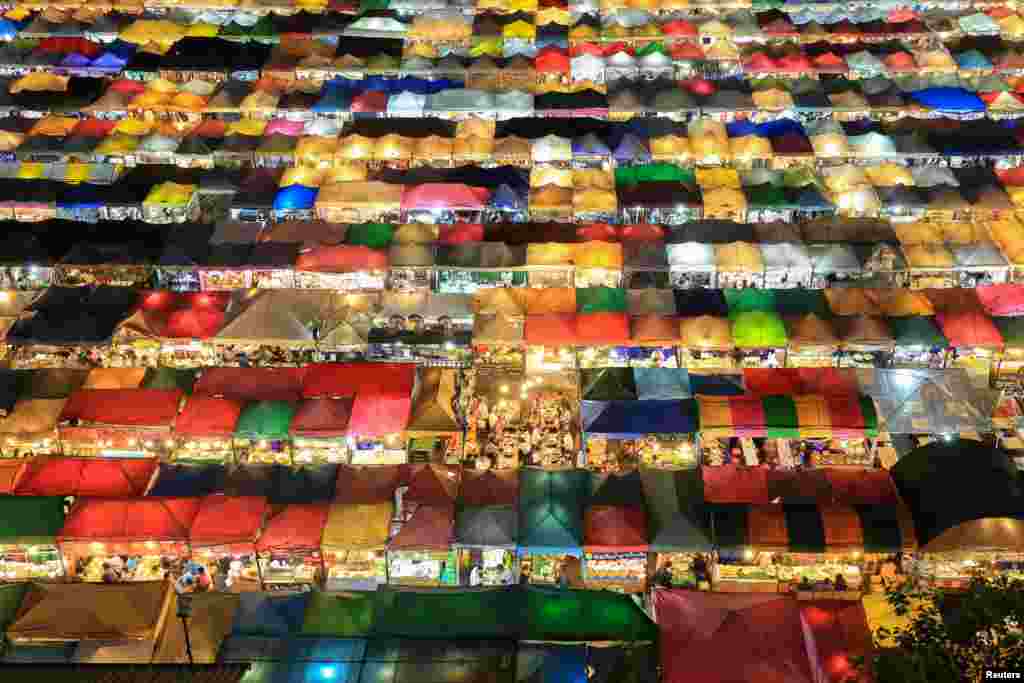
(114,378)
(432,411)
(497,329)
(358,526)
(36,416)
(73,612)
(706,332)
(212,617)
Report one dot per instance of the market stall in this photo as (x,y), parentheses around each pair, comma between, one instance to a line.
(834,263)
(355,538)
(918,343)
(550,342)
(223,537)
(261,433)
(435,428)
(144,539)
(1009,370)
(208,626)
(498,341)
(812,342)
(623,435)
(692,265)
(170,330)
(760,339)
(679,525)
(118,423)
(865,342)
(318,431)
(434,329)
(787,265)
(30,428)
(616,534)
(468,267)
(551,523)
(739,265)
(204,428)
(28,538)
(706,343)
(289,548)
(974,340)
(787,431)
(420,553)
(485,539)
(513,421)
(790,547)
(966,508)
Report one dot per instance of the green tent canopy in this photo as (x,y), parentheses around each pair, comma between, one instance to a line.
(651,173)
(801,302)
(265,420)
(372,235)
(551,508)
(677,514)
(758,330)
(1012,330)
(608,384)
(750,299)
(600,300)
(591,616)
(339,615)
(476,614)
(917,330)
(30,520)
(765,196)
(170,378)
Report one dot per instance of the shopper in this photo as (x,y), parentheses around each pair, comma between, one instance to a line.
(663,577)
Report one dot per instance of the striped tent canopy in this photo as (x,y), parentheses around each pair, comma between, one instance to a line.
(808,528)
(788,417)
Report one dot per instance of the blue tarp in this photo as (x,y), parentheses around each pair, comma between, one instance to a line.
(717,385)
(661,384)
(188,480)
(949,99)
(551,664)
(260,614)
(633,419)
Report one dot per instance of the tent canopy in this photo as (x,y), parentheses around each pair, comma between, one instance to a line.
(430,527)
(551,507)
(918,401)
(296,527)
(615,528)
(489,487)
(265,420)
(632,419)
(608,384)
(225,520)
(368,484)
(962,496)
(358,526)
(487,526)
(585,616)
(143,519)
(321,418)
(679,520)
(98,477)
(30,520)
(210,623)
(72,612)
(208,416)
(433,483)
(758,330)
(123,407)
(433,411)
(808,416)
(268,615)
(251,384)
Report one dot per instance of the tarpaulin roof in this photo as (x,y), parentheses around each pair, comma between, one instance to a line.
(661,383)
(585,616)
(497,329)
(30,520)
(97,477)
(918,401)
(350,379)
(303,484)
(489,487)
(969,329)
(810,416)
(620,663)
(433,483)
(798,381)
(433,411)
(651,330)
(408,661)
(706,332)
(615,528)
(430,527)
(187,480)
(679,520)
(551,663)
(144,519)
(265,420)
(208,416)
(212,615)
(271,319)
(822,486)
(379,411)
(629,419)
(600,300)
(368,484)
(251,384)
(917,330)
(321,417)
(487,526)
(123,407)
(963,496)
(358,526)
(810,330)
(268,615)
(808,528)
(10,470)
(73,612)
(455,614)
(225,520)
(33,416)
(339,615)
(551,507)
(551,330)
(51,383)
(114,378)
(836,634)
(601,328)
(758,330)
(295,527)
(608,384)
(701,632)
(1002,300)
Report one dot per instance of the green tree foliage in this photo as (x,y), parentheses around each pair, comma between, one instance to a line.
(952,637)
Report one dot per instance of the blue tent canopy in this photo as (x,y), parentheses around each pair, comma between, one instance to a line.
(661,384)
(273,616)
(717,385)
(949,99)
(552,664)
(633,419)
(188,480)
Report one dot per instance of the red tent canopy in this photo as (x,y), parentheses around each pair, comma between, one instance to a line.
(10,471)
(731,637)
(735,484)
(381,409)
(597,232)
(1002,300)
(193,323)
(294,527)
(252,384)
(322,417)
(123,407)
(93,477)
(801,381)
(612,528)
(139,519)
(348,379)
(862,487)
(228,520)
(836,632)
(550,330)
(433,483)
(344,258)
(444,196)
(969,329)
(602,328)
(489,487)
(460,233)
(431,527)
(375,484)
(208,416)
